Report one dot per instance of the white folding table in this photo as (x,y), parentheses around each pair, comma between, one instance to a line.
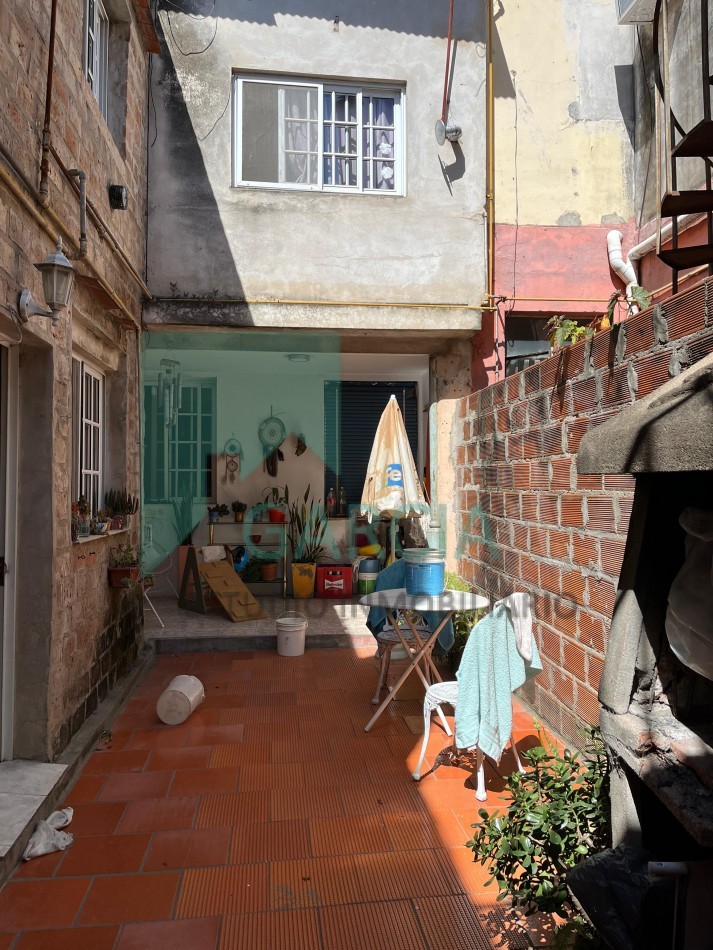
(448,602)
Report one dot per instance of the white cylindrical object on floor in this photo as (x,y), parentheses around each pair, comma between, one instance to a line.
(291,628)
(182,695)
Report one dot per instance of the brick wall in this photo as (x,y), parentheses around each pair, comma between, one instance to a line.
(74,636)
(528,521)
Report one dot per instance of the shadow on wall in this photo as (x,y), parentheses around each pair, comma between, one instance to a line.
(397,16)
(179,182)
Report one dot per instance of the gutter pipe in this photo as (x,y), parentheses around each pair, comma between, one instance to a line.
(617,263)
(649,244)
(46,133)
(78,173)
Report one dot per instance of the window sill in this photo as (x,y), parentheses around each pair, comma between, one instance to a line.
(96,537)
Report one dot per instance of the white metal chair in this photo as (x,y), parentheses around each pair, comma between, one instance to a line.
(436,695)
(519,638)
(162,557)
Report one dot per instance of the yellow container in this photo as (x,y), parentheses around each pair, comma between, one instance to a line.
(303,576)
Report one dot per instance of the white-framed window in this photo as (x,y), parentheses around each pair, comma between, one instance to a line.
(179,440)
(89,432)
(318,136)
(96,51)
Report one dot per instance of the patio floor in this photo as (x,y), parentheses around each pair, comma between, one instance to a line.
(268,821)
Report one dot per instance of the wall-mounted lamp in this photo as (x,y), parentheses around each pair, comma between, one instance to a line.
(57,279)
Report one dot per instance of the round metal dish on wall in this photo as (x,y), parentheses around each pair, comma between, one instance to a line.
(272,432)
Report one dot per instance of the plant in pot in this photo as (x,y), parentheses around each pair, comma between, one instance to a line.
(216,512)
(239,509)
(83,511)
(103,520)
(277,499)
(120,504)
(124,566)
(268,567)
(307,525)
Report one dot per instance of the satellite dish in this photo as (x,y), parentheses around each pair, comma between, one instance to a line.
(451,132)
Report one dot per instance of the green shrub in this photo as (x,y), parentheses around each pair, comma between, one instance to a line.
(463,621)
(559,814)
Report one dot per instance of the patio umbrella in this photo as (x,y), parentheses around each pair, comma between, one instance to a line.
(392,485)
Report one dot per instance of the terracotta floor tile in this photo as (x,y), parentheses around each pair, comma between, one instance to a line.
(258,777)
(6,941)
(314,883)
(230,890)
(381,799)
(357,834)
(254,753)
(104,854)
(131,786)
(404,874)
(97,818)
(44,866)
(286,803)
(293,929)
(130,897)
(188,849)
(221,811)
(255,842)
(205,782)
(325,773)
(102,763)
(74,938)
(452,921)
(199,934)
(412,831)
(372,927)
(85,789)
(166,760)
(162,737)
(158,814)
(37,905)
(215,735)
(307,750)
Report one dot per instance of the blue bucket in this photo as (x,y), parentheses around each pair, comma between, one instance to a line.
(425,579)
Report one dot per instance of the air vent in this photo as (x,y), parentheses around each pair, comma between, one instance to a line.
(635,11)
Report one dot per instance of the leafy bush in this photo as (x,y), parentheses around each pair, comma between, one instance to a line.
(560,814)
(463,621)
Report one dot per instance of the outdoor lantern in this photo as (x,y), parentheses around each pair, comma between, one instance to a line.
(57,279)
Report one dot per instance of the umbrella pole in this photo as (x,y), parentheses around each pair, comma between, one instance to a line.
(392,552)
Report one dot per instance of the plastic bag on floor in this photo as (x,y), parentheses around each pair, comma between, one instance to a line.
(47,836)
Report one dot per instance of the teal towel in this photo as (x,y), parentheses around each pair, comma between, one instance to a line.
(490,670)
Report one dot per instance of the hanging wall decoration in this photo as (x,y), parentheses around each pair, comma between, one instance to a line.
(169,390)
(272,434)
(233,452)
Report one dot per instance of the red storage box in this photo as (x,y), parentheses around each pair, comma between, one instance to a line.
(334,580)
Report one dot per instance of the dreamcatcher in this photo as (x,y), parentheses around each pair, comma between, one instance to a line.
(272,434)
(232,452)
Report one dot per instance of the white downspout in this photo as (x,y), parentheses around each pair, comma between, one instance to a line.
(624,268)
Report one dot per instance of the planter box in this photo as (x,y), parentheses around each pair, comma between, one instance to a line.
(118,574)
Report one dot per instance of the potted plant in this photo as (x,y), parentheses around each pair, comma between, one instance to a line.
(277,500)
(239,508)
(82,506)
(268,567)
(103,520)
(306,528)
(125,566)
(120,504)
(216,512)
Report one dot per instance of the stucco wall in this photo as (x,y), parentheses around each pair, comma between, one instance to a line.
(426,246)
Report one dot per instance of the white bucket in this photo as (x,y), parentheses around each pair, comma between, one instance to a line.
(182,695)
(291,627)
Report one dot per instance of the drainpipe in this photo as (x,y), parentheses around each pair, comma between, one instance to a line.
(46,134)
(617,263)
(78,173)
(649,244)
(490,152)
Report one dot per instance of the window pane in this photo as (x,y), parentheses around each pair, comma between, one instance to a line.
(384,175)
(327,172)
(383,111)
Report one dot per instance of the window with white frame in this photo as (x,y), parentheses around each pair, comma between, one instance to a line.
(96,51)
(318,136)
(89,430)
(179,440)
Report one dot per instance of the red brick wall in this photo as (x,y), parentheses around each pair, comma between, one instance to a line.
(528,521)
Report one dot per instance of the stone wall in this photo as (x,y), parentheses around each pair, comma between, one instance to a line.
(73,635)
(528,521)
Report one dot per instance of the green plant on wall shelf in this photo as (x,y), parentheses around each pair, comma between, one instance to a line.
(562,330)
